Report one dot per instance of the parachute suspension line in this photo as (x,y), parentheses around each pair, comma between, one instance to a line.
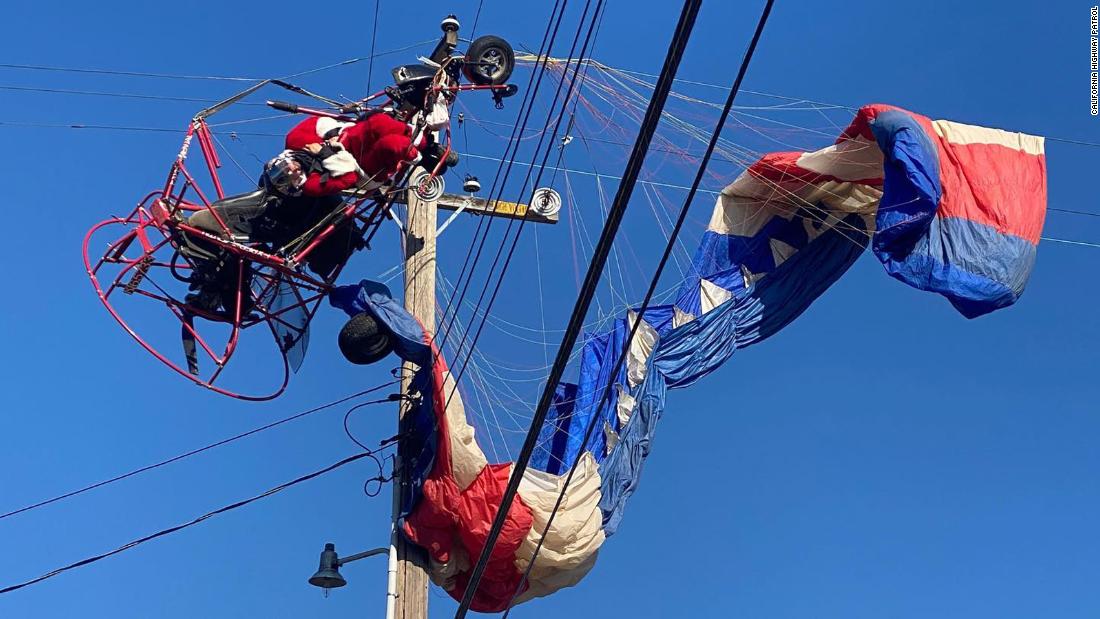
(538,177)
(527,178)
(658,207)
(582,228)
(197,451)
(542,301)
(746,157)
(526,181)
(1069,141)
(506,399)
(669,247)
(482,231)
(229,154)
(1069,242)
(206,516)
(480,388)
(618,208)
(616,266)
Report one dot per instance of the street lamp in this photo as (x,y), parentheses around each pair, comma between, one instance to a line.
(328,574)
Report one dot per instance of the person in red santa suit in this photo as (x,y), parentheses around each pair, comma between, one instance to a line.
(323,157)
(365,153)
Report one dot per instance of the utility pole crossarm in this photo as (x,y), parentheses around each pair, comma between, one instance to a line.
(499,208)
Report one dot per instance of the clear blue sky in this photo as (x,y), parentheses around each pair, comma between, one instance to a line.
(881,457)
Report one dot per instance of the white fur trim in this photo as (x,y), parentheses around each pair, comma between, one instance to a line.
(340,163)
(326,124)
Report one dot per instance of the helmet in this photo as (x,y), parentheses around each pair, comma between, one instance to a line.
(285,174)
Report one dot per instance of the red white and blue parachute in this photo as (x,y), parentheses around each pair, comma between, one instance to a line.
(949,208)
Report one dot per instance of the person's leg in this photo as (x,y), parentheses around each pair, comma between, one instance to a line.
(236,212)
(216,277)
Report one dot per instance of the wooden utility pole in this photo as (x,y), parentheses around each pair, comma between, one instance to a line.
(412,561)
(420,265)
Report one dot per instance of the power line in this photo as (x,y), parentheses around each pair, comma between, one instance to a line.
(199,450)
(614,218)
(349,61)
(19,123)
(477,17)
(538,177)
(121,95)
(190,523)
(373,40)
(128,73)
(669,246)
(481,233)
(16,123)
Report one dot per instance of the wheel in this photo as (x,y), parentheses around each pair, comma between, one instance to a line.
(363,341)
(489,61)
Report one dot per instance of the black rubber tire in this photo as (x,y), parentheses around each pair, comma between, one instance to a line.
(489,48)
(363,341)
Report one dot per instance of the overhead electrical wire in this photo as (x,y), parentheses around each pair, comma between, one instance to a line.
(193,522)
(654,281)
(119,95)
(651,183)
(504,169)
(349,61)
(373,40)
(193,452)
(676,49)
(527,178)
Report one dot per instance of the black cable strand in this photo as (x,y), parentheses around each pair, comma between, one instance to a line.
(128,73)
(208,77)
(179,527)
(199,450)
(393,397)
(526,181)
(382,479)
(120,95)
(577,101)
(373,40)
(505,162)
(523,221)
(477,17)
(669,246)
(505,165)
(615,215)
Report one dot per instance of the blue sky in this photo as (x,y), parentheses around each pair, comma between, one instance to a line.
(881,457)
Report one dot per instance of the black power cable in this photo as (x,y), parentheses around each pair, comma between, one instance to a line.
(607,389)
(373,40)
(595,269)
(481,233)
(199,450)
(190,523)
(502,272)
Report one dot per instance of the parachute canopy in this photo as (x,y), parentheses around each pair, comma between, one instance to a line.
(949,208)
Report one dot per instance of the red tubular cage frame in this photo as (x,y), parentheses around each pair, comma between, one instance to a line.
(159,220)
